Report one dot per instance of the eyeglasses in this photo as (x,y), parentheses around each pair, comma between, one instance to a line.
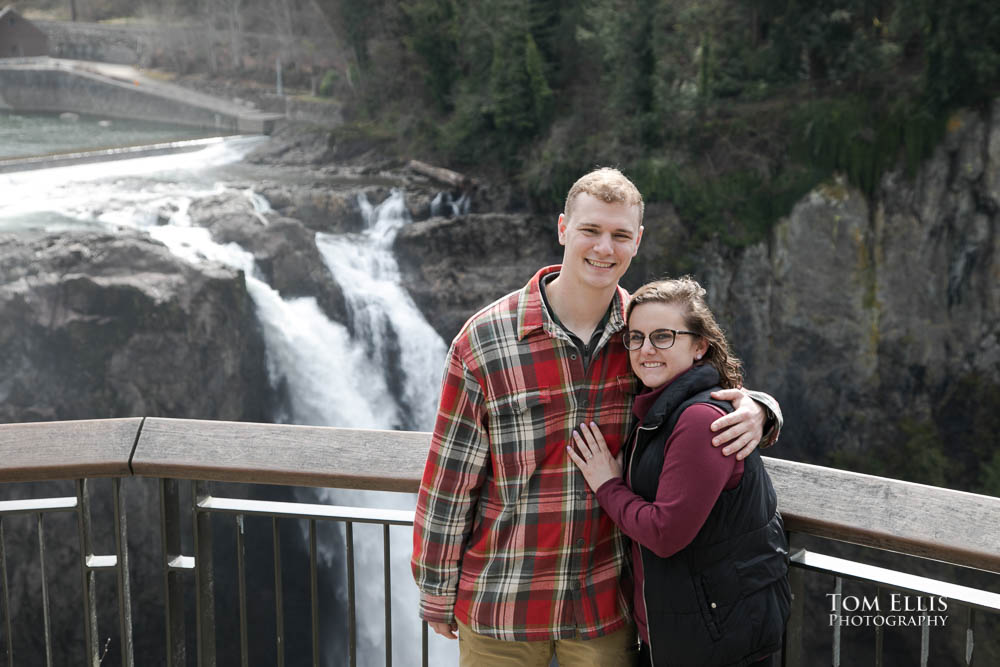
(662,339)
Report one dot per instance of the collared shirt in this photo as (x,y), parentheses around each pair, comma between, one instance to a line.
(508,538)
(590,346)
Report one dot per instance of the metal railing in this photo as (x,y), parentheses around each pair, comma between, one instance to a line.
(221,460)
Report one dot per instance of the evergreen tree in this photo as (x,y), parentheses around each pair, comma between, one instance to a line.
(521,97)
(433,37)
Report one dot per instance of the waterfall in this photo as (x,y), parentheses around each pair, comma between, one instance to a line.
(397,337)
(444,204)
(385,374)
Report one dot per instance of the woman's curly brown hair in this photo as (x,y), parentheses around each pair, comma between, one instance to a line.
(686,292)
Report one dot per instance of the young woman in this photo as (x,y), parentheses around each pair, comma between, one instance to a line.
(709,552)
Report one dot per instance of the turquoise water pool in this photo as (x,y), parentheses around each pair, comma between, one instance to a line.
(23,135)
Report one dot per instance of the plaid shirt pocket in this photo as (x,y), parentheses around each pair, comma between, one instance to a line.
(516,419)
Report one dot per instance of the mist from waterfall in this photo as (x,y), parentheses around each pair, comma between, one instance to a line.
(382,372)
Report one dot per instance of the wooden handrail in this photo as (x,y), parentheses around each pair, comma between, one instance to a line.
(281,454)
(916,519)
(942,524)
(39,451)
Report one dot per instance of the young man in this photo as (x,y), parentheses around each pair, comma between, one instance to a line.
(510,548)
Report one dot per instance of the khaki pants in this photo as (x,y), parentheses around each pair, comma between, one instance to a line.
(619,649)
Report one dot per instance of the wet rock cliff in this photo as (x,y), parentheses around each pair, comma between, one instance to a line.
(98,326)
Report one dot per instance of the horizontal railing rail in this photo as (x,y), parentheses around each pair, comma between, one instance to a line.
(885,514)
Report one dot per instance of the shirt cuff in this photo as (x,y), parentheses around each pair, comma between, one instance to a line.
(437,608)
(774,421)
(772,429)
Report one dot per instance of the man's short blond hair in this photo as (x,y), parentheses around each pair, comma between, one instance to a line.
(609,185)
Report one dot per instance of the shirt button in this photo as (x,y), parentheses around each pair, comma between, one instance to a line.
(580,542)
(713,605)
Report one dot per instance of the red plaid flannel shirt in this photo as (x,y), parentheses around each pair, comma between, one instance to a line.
(508,538)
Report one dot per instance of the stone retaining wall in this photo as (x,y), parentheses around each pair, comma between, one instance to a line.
(57,91)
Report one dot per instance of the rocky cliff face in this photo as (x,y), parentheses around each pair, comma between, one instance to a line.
(100,326)
(866,317)
(284,249)
(452,267)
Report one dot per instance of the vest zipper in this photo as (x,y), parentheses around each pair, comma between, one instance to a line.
(645,607)
(631,458)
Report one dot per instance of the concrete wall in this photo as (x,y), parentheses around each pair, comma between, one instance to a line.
(58,90)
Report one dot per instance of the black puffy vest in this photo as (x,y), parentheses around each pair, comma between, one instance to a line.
(724,598)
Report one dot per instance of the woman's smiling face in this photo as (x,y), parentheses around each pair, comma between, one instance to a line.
(656,367)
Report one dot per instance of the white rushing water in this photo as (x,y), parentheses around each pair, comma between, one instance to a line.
(385,374)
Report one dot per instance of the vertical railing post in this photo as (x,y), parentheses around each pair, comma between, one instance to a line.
(279,602)
(314,592)
(791,652)
(879,633)
(387,583)
(87,575)
(970,643)
(46,614)
(204,577)
(352,623)
(124,587)
(241,573)
(423,644)
(838,591)
(925,641)
(173,591)
(8,637)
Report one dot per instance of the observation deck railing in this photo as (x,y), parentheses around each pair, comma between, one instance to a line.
(823,508)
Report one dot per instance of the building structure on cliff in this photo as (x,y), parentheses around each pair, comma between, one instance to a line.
(19,38)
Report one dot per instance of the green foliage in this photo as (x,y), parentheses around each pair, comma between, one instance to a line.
(954,447)
(969,415)
(622,35)
(328,83)
(358,21)
(989,477)
(433,37)
(468,134)
(922,457)
(739,206)
(539,92)
(754,101)
(862,139)
(521,98)
(962,45)
(830,40)
(549,179)
(919,456)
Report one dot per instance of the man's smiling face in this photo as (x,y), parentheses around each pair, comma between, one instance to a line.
(600,240)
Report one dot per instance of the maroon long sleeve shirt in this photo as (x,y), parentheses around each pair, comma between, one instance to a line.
(694,475)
